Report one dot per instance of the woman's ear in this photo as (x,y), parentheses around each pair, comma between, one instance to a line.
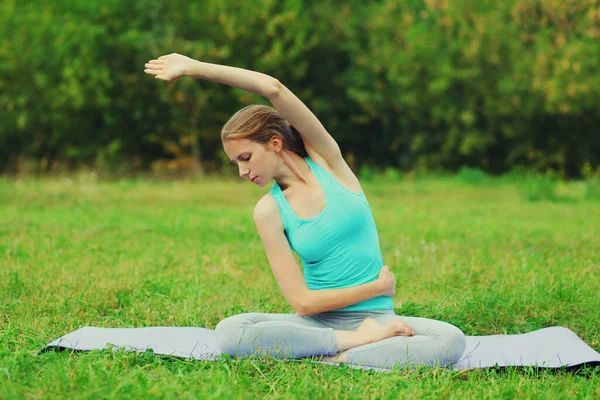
(276,144)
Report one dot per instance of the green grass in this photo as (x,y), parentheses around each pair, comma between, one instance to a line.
(135,253)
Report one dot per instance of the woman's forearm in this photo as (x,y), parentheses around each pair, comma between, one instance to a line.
(250,81)
(318,301)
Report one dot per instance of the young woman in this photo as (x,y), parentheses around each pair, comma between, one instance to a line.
(317,208)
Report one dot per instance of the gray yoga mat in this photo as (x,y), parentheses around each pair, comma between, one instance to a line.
(552,347)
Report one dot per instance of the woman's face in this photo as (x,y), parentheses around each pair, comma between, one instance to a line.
(256,162)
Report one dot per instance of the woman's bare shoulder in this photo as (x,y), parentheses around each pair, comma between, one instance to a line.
(266,211)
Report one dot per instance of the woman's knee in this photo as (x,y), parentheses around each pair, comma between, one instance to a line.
(451,339)
(452,344)
(229,331)
(457,343)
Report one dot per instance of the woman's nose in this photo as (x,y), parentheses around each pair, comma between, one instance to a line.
(243,171)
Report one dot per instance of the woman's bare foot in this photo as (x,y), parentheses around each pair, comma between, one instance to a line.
(369,331)
(375,332)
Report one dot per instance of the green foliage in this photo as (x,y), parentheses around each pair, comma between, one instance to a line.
(409,85)
(535,187)
(392,175)
(366,173)
(592,182)
(369,173)
(472,176)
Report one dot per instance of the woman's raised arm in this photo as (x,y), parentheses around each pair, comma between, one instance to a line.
(174,66)
(315,136)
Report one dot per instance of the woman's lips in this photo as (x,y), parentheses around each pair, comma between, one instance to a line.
(254,179)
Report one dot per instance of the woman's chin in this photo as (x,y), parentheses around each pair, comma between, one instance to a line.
(259,182)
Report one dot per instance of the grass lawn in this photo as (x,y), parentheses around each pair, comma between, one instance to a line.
(135,253)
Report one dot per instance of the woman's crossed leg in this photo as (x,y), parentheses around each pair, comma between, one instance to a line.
(371,341)
(435,343)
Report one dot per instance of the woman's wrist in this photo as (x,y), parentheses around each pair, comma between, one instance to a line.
(193,69)
(378,288)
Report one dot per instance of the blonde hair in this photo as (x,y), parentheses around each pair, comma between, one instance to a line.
(260,123)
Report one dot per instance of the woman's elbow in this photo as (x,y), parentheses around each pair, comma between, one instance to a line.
(302,312)
(274,89)
(302,308)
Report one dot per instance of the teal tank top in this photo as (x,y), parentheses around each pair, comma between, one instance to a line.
(339,248)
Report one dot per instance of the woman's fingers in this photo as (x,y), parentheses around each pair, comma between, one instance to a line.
(167,67)
(154,67)
(158,74)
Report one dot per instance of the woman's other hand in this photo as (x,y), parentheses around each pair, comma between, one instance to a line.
(169,67)
(387,281)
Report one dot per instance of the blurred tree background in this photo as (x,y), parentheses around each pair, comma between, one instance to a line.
(407,84)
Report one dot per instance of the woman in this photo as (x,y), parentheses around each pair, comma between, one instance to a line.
(317,208)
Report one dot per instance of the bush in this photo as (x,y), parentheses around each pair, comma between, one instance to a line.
(592,182)
(472,176)
(392,175)
(366,173)
(538,187)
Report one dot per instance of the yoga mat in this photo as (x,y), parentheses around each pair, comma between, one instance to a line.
(553,347)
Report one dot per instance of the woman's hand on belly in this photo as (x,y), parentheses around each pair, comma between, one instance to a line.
(387,282)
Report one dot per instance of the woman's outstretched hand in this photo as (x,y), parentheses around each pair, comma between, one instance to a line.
(169,67)
(387,280)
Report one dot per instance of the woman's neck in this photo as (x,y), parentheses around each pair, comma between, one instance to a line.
(293,170)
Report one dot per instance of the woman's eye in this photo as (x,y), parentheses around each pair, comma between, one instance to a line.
(246,159)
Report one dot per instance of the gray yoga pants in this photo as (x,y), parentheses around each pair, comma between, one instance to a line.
(292,336)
